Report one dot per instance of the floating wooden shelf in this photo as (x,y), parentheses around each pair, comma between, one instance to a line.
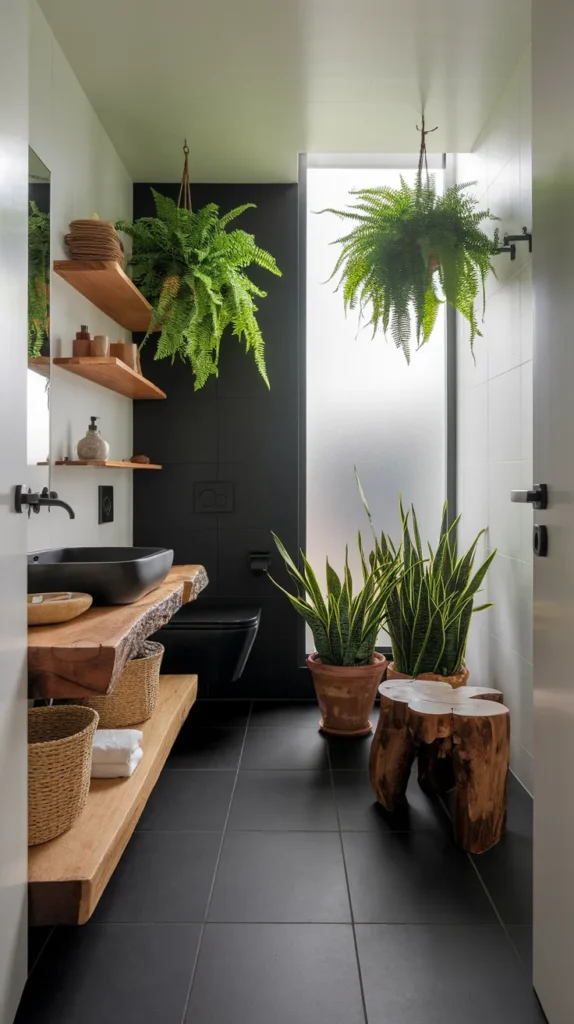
(41,365)
(105,465)
(111,373)
(109,288)
(87,655)
(68,875)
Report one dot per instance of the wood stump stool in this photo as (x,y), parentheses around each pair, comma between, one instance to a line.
(462,739)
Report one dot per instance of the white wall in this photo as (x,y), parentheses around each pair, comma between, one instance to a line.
(495,417)
(87,176)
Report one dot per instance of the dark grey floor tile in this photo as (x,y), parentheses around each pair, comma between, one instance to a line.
(284,973)
(506,871)
(427,974)
(37,940)
(162,877)
(189,801)
(217,714)
(350,754)
(295,800)
(520,809)
(281,877)
(102,973)
(360,812)
(272,748)
(198,747)
(521,939)
(286,714)
(413,877)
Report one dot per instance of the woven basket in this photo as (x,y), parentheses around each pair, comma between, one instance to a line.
(59,765)
(135,694)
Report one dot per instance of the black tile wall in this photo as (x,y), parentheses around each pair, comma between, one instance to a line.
(235,431)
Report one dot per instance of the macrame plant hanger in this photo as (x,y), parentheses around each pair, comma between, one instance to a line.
(423,161)
(184,199)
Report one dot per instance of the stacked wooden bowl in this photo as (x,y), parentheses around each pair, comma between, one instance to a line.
(94,239)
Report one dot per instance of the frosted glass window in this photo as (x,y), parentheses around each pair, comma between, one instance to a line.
(365,405)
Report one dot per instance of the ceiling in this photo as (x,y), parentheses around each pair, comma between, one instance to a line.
(252,83)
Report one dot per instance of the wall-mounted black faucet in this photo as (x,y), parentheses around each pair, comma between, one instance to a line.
(47,499)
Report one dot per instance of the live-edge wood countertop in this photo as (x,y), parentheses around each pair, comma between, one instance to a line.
(86,656)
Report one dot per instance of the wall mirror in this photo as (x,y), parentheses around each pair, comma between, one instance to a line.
(38,391)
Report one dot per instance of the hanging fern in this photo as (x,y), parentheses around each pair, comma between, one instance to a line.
(38,280)
(193,272)
(412,249)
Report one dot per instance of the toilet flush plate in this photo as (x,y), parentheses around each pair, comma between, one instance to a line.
(214,496)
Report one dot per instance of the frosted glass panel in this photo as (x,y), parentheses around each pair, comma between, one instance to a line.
(365,405)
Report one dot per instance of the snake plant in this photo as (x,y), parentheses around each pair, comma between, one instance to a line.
(429,608)
(409,251)
(345,626)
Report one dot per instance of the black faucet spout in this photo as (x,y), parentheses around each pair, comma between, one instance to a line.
(51,502)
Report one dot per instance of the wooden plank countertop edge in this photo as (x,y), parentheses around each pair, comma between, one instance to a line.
(86,656)
(67,876)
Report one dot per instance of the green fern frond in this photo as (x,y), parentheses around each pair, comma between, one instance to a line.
(38,280)
(193,272)
(409,251)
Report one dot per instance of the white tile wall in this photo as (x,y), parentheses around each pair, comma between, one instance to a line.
(87,176)
(495,418)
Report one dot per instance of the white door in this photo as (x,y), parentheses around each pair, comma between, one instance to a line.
(13,368)
(553,268)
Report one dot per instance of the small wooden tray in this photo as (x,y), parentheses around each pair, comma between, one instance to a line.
(61,606)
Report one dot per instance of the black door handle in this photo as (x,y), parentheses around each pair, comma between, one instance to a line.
(537,497)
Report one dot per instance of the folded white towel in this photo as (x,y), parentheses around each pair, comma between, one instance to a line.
(111,770)
(115,746)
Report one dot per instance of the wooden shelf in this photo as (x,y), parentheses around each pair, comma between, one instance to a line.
(109,288)
(68,875)
(111,373)
(41,365)
(105,465)
(87,654)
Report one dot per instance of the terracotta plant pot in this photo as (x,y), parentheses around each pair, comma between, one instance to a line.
(346,695)
(460,679)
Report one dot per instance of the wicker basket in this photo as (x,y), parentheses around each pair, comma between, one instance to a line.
(135,694)
(59,765)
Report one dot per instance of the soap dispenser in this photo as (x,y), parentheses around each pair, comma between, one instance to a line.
(92,447)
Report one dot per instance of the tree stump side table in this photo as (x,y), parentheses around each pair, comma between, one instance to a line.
(462,739)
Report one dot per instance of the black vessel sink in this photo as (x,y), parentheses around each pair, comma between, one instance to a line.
(110,575)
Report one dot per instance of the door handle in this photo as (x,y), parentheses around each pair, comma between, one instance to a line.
(537,497)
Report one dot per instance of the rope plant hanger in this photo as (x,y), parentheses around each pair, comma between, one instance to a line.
(184,198)
(411,250)
(193,271)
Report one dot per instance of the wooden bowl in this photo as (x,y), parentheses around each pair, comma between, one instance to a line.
(48,609)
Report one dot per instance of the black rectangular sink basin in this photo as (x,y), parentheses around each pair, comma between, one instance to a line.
(110,575)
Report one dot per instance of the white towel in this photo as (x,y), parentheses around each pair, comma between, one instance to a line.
(109,770)
(115,746)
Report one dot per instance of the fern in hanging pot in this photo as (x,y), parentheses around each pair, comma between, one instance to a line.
(193,271)
(409,251)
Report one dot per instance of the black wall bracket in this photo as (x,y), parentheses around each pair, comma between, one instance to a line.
(526,236)
(508,248)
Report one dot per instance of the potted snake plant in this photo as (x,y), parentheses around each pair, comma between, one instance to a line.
(345,667)
(430,605)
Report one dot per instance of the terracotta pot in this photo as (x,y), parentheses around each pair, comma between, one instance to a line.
(346,695)
(460,679)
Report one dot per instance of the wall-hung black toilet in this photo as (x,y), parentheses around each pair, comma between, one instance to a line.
(213,643)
